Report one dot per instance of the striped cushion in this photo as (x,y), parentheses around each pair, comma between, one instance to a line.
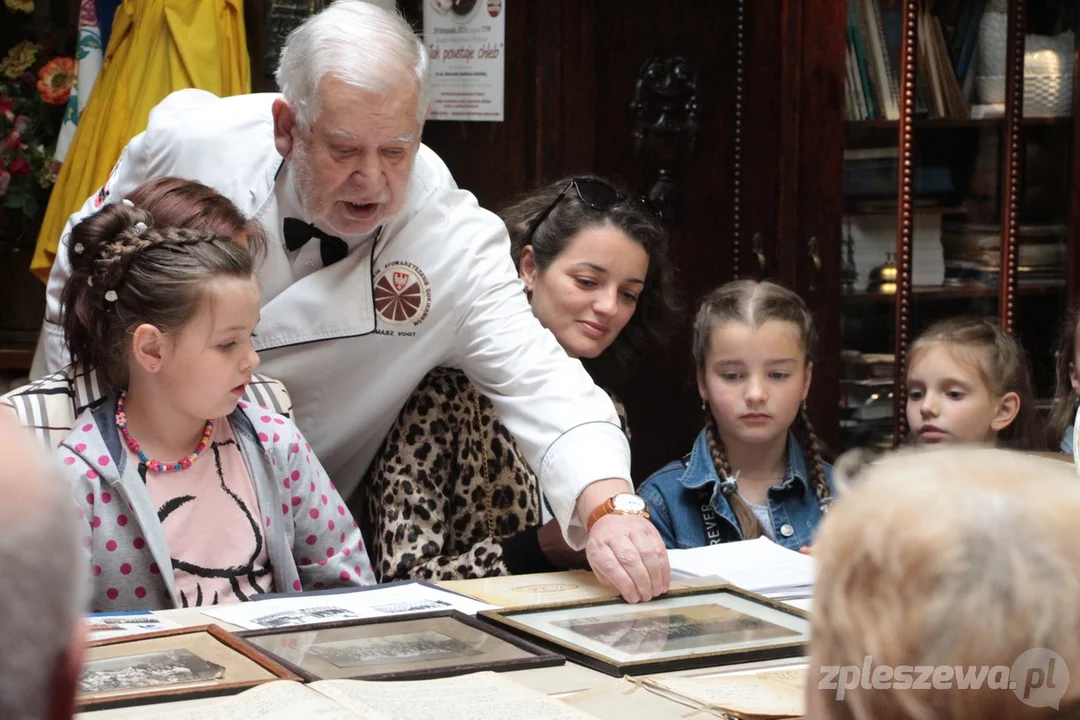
(50,405)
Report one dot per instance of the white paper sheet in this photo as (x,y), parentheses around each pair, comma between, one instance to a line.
(759,566)
(311,609)
(103,626)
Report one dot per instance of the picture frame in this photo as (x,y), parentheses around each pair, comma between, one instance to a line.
(409,647)
(680,630)
(180,664)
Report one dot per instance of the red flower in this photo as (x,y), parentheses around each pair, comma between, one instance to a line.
(5,181)
(13,140)
(7,107)
(19,166)
(55,80)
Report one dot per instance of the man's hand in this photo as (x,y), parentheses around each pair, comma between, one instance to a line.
(626,551)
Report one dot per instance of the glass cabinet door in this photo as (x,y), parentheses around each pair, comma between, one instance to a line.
(1045,193)
(954,139)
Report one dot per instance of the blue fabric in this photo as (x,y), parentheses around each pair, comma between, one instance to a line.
(1067,441)
(687,507)
(106,9)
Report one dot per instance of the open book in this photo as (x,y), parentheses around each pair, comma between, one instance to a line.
(466,697)
(764,694)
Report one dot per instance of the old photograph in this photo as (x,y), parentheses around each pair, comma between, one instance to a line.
(133,672)
(676,630)
(413,606)
(413,647)
(305,616)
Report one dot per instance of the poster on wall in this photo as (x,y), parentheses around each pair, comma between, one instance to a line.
(465,40)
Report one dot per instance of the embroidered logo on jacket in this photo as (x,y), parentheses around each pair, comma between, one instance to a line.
(402,294)
(106,189)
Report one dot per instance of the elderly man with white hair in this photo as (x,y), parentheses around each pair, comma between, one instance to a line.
(44,584)
(381,269)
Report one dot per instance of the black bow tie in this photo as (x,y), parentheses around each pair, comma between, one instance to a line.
(297,233)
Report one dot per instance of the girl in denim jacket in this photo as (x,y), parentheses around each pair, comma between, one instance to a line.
(756,468)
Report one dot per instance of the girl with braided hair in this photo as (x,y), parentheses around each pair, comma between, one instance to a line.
(756,468)
(189,495)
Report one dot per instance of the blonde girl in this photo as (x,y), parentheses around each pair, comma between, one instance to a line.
(968,381)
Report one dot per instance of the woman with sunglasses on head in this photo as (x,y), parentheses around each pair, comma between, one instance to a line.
(450,495)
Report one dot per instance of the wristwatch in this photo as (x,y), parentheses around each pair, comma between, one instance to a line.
(620,504)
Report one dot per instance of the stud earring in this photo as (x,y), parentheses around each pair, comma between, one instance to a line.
(704,405)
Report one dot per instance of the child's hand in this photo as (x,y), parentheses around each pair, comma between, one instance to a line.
(807,550)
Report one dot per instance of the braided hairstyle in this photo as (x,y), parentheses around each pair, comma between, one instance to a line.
(754,303)
(125,272)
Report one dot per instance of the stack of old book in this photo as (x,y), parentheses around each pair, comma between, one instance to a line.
(973,253)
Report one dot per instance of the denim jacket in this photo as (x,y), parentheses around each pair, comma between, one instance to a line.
(687,507)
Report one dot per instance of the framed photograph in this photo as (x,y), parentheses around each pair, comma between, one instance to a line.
(696,627)
(172,665)
(416,647)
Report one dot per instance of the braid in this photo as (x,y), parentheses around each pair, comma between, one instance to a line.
(804,433)
(126,273)
(748,522)
(116,257)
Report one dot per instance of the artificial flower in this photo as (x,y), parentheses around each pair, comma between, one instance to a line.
(19,58)
(13,141)
(26,6)
(19,166)
(5,181)
(55,80)
(7,108)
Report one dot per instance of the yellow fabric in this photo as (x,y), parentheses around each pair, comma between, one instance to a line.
(156,47)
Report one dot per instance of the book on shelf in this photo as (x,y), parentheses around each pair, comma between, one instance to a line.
(947,32)
(858,365)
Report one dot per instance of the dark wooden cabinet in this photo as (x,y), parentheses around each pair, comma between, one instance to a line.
(757,180)
(580,97)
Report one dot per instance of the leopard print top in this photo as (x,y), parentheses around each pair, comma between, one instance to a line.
(447,485)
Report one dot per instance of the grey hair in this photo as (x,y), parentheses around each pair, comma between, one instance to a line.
(45,580)
(358,43)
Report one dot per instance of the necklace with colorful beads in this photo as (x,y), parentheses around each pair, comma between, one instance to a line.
(156,465)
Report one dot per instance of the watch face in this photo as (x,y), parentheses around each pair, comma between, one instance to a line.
(628,503)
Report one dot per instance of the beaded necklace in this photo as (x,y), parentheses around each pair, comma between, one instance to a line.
(156,465)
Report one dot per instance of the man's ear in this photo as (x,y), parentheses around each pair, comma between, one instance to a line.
(527,269)
(284,126)
(148,347)
(1008,408)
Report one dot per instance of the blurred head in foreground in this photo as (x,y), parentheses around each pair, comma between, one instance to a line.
(939,569)
(43,592)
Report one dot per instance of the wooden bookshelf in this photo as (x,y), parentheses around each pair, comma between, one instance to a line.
(938,292)
(955,124)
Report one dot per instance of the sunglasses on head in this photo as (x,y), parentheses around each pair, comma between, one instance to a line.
(598,195)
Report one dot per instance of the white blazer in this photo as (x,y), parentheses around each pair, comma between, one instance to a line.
(351,341)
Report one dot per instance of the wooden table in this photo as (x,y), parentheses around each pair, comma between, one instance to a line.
(555,681)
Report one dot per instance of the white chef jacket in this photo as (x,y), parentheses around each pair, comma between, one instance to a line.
(435,286)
